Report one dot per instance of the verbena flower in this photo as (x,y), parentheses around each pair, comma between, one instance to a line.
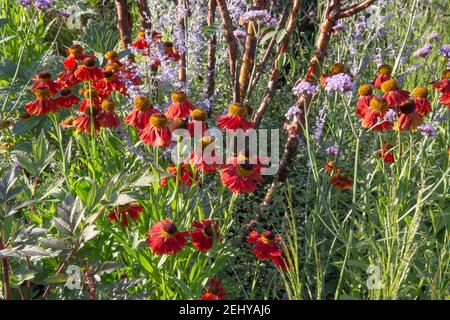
(434,36)
(320,122)
(339,82)
(304,87)
(241,34)
(445,51)
(260,15)
(332,150)
(292,111)
(390,115)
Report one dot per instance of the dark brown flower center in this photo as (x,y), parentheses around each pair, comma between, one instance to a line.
(108,74)
(407,107)
(44,76)
(170,228)
(66,92)
(89,62)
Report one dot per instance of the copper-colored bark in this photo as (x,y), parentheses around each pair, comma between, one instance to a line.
(124,22)
(182,61)
(212,42)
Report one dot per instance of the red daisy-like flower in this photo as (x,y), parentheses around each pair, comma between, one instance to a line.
(67,79)
(141,43)
(110,83)
(43,103)
(164,238)
(383,74)
(180,106)
(375,114)
(82,123)
(266,244)
(213,290)
(139,117)
(156,133)
(44,79)
(121,213)
(341,181)
(197,126)
(108,117)
(330,167)
(420,96)
(67,123)
(67,99)
(204,157)
(281,261)
(386,153)
(91,97)
(186,175)
(170,52)
(88,71)
(111,56)
(205,235)
(365,95)
(445,99)
(442,85)
(235,119)
(408,118)
(75,53)
(241,175)
(393,95)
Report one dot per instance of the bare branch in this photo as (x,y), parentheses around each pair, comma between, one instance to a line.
(124,22)
(212,41)
(352,10)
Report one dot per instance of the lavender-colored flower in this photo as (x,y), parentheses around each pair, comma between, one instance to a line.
(338,27)
(292,111)
(339,82)
(427,130)
(304,87)
(390,115)
(434,36)
(257,15)
(320,122)
(445,50)
(25,3)
(241,34)
(332,150)
(424,51)
(64,13)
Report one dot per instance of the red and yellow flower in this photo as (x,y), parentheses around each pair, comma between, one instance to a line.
(383,74)
(75,53)
(204,156)
(180,106)
(393,95)
(241,175)
(365,92)
(67,99)
(335,68)
(111,56)
(213,290)
(187,177)
(205,235)
(43,104)
(67,79)
(82,123)
(139,117)
(375,113)
(122,213)
(408,118)
(164,238)
(330,167)
(88,71)
(108,117)
(156,133)
(198,121)
(110,83)
(141,43)
(91,97)
(341,181)
(386,153)
(420,96)
(44,79)
(236,118)
(266,244)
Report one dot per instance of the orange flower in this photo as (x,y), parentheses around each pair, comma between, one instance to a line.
(141,43)
(139,117)
(156,133)
(213,290)
(108,117)
(82,123)
(67,79)
(121,213)
(180,106)
(408,118)
(241,175)
(199,117)
(421,101)
(386,153)
(235,119)
(44,79)
(75,53)
(393,95)
(383,74)
(88,71)
(43,103)
(110,83)
(341,181)
(90,97)
(329,167)
(204,161)
(67,99)
(164,238)
(365,95)
(111,56)
(375,113)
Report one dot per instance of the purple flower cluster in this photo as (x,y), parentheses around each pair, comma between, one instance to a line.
(434,36)
(240,34)
(424,51)
(320,122)
(390,115)
(292,111)
(427,130)
(332,150)
(445,51)
(304,87)
(259,15)
(41,5)
(339,82)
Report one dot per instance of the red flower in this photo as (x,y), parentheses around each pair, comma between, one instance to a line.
(139,117)
(375,113)
(386,153)
(408,118)
(384,74)
(67,79)
(141,43)
(67,123)
(281,261)
(206,234)
(67,99)
(241,176)
(164,238)
(186,174)
(111,56)
(341,181)
(335,68)
(82,123)
(203,158)
(180,106)
(329,167)
(108,117)
(44,79)
(122,213)
(76,53)
(213,290)
(110,83)
(266,244)
(198,121)
(443,85)
(235,119)
(365,95)
(91,97)
(421,101)
(129,73)
(445,99)
(156,133)
(88,71)
(393,95)
(43,103)
(170,52)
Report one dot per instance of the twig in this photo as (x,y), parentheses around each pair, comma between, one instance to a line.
(124,22)
(212,41)
(232,47)
(182,25)
(275,73)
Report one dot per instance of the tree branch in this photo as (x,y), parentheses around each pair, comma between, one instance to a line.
(212,41)
(352,10)
(124,22)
